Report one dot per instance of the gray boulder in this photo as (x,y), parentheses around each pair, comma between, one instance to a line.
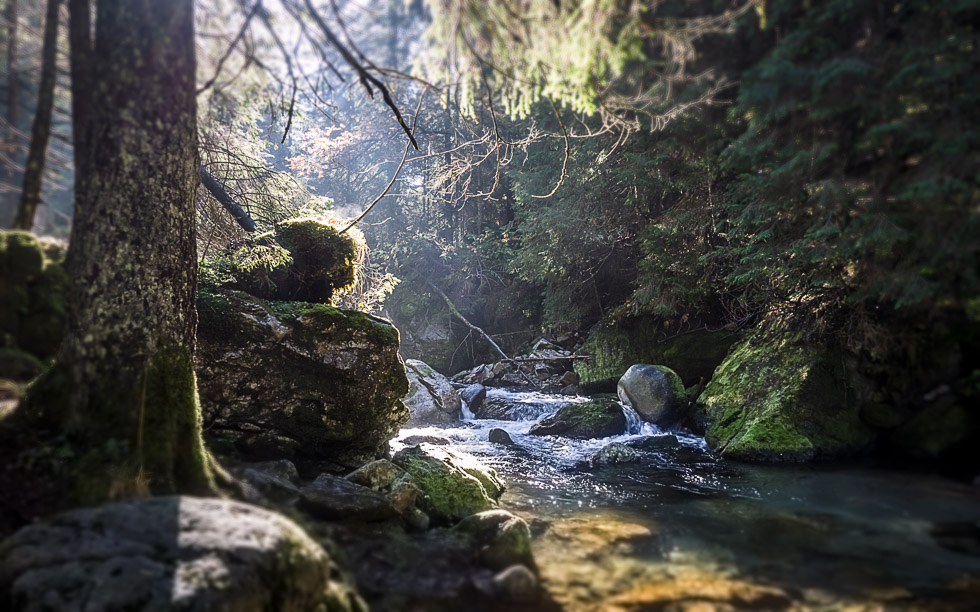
(171,553)
(431,399)
(499,436)
(291,380)
(592,419)
(501,538)
(655,392)
(614,454)
(334,498)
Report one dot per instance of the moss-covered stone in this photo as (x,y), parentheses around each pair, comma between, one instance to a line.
(295,380)
(454,485)
(614,347)
(304,260)
(33,295)
(781,400)
(593,419)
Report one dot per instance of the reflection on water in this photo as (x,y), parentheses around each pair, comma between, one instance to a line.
(685,529)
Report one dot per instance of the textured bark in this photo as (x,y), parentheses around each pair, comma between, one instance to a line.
(123,386)
(13,103)
(30,194)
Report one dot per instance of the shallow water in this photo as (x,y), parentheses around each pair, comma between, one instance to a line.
(683,528)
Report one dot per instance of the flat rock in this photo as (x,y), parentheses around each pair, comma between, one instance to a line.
(335,498)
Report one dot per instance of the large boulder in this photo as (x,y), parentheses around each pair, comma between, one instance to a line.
(599,418)
(454,485)
(431,399)
(299,381)
(781,400)
(655,392)
(170,553)
(614,347)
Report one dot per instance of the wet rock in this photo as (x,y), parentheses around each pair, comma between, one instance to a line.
(516,583)
(502,538)
(782,400)
(431,399)
(568,379)
(592,419)
(474,395)
(334,498)
(454,485)
(655,392)
(571,390)
(291,380)
(480,374)
(614,454)
(499,436)
(376,475)
(654,443)
(171,553)
(423,439)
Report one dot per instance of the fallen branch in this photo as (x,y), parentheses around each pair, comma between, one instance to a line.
(537,359)
(233,207)
(459,315)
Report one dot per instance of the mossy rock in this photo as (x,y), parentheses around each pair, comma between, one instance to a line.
(599,418)
(308,262)
(454,485)
(655,392)
(614,347)
(33,294)
(781,400)
(308,382)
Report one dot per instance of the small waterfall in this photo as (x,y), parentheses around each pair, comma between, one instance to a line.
(634,422)
(467,414)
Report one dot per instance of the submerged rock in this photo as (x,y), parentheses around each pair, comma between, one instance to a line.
(431,399)
(614,454)
(454,485)
(499,436)
(655,392)
(502,538)
(334,498)
(292,380)
(781,400)
(171,553)
(592,419)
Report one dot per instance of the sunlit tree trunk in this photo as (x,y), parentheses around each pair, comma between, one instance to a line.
(10,17)
(123,386)
(30,194)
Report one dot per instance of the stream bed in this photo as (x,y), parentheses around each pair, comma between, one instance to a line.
(683,529)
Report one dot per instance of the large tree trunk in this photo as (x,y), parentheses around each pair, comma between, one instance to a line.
(123,386)
(30,193)
(9,170)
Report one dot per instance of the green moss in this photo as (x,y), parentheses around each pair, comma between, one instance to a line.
(779,400)
(450,493)
(593,419)
(23,256)
(676,384)
(614,347)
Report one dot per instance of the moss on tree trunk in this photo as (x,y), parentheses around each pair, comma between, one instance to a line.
(122,397)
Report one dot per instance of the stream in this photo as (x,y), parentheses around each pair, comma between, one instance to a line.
(683,525)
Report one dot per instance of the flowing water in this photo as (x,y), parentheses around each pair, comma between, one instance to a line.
(683,529)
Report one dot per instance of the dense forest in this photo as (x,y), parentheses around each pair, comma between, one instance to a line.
(589,304)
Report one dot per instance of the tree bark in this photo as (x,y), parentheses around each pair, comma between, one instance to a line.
(123,386)
(13,103)
(30,193)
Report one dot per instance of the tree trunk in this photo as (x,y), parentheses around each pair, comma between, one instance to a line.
(30,194)
(224,198)
(123,387)
(13,106)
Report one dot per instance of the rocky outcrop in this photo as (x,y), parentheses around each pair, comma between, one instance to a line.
(431,399)
(655,392)
(643,339)
(781,400)
(545,367)
(593,419)
(171,553)
(454,485)
(291,380)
